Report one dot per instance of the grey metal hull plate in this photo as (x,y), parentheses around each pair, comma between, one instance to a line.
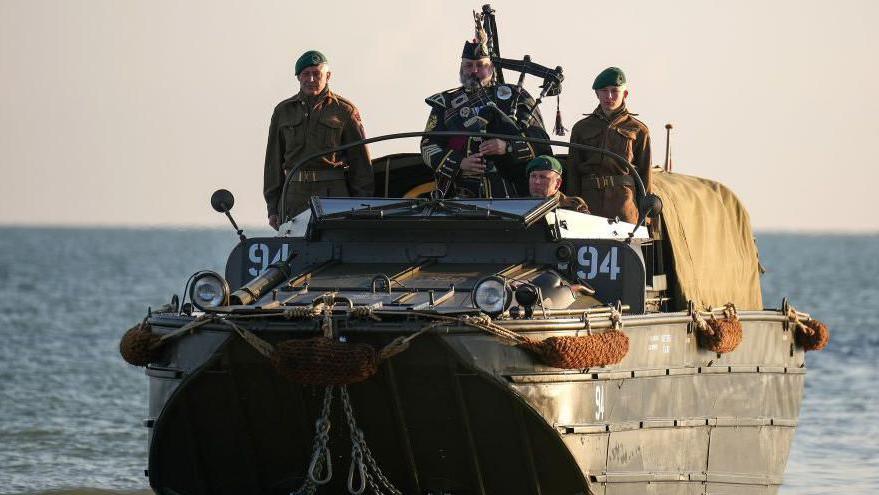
(461,413)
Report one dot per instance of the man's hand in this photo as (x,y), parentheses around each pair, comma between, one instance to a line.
(274,221)
(473,165)
(493,147)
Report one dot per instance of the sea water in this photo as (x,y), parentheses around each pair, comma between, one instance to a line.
(71,410)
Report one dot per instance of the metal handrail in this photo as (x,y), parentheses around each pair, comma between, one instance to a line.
(640,191)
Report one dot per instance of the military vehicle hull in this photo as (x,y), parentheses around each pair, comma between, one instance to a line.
(558,359)
(461,413)
(475,405)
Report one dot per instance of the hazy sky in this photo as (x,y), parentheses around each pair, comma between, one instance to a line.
(131,113)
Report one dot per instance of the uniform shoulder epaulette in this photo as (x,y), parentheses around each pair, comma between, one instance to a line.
(287,101)
(637,121)
(440,100)
(584,121)
(345,102)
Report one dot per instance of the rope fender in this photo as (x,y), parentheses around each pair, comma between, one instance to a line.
(720,336)
(578,352)
(811,334)
(585,351)
(321,360)
(324,360)
(140,346)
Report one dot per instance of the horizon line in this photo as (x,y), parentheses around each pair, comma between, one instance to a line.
(220,226)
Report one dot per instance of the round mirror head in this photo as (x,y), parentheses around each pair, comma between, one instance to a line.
(653,203)
(222,200)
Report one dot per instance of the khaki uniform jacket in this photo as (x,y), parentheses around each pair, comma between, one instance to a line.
(622,134)
(297,130)
(572,203)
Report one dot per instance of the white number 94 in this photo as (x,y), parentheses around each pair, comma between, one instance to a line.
(587,257)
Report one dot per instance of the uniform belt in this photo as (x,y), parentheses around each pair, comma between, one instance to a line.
(605,181)
(318,175)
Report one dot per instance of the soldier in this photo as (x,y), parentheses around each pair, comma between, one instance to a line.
(545,179)
(472,166)
(603,182)
(313,120)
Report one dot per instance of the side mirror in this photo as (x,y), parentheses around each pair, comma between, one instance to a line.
(651,203)
(222,200)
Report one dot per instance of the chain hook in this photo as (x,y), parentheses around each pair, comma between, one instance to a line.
(316,466)
(357,468)
(321,460)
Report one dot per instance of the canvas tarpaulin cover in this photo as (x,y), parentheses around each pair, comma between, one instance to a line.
(715,256)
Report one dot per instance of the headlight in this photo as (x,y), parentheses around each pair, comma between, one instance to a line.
(492,295)
(209,290)
(527,295)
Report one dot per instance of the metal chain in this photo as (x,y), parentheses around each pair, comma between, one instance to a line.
(320,469)
(361,474)
(370,474)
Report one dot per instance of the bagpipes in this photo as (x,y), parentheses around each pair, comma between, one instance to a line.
(478,113)
(487,37)
(515,122)
(490,118)
(486,29)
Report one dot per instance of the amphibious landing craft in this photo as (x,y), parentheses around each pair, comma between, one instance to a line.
(478,346)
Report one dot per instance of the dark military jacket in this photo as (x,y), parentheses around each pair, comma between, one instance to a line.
(622,134)
(297,130)
(479,111)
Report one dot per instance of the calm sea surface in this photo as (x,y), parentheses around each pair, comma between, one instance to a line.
(71,409)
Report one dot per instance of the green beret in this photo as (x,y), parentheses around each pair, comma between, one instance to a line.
(544,162)
(310,58)
(612,76)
